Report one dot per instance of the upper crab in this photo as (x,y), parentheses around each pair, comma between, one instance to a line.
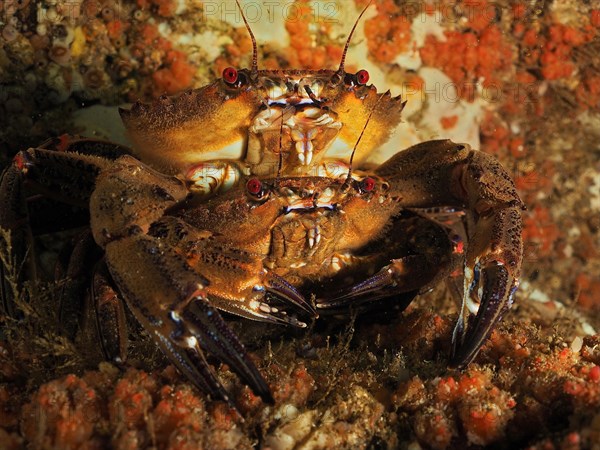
(264,122)
(243,116)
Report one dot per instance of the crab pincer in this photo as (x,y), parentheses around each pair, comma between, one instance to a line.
(442,173)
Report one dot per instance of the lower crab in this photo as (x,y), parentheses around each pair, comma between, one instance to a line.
(260,249)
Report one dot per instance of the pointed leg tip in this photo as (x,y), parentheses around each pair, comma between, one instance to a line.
(268,398)
(462,357)
(499,286)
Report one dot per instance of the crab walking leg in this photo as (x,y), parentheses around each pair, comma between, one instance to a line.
(14,237)
(64,176)
(163,291)
(239,282)
(418,257)
(108,314)
(75,275)
(442,173)
(168,297)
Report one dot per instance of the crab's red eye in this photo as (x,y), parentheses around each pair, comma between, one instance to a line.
(367,184)
(254,186)
(230,75)
(362,76)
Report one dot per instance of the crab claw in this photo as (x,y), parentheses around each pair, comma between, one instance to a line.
(279,291)
(498,288)
(205,329)
(494,252)
(443,173)
(492,269)
(400,276)
(417,259)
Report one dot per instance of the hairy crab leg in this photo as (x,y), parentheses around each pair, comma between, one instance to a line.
(69,175)
(108,313)
(61,175)
(166,294)
(168,297)
(442,173)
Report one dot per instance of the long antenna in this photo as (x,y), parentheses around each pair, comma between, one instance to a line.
(343,61)
(254,46)
(349,177)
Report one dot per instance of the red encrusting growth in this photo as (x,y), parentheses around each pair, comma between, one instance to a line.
(176,76)
(587,291)
(470,57)
(388,33)
(588,90)
(148,33)
(70,410)
(552,50)
(595,17)
(296,388)
(540,230)
(116,28)
(448,122)
(470,402)
(555,54)
(310,49)
(168,69)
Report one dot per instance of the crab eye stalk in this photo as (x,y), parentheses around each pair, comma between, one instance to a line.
(255,188)
(337,78)
(362,77)
(367,184)
(230,75)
